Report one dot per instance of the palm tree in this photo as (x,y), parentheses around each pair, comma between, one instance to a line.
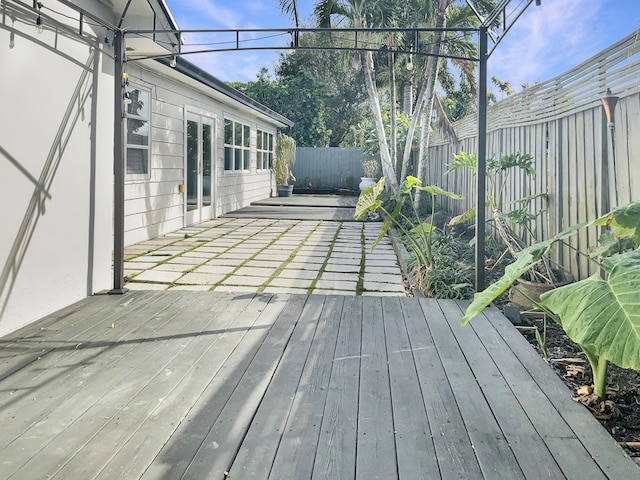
(290,7)
(454,45)
(364,14)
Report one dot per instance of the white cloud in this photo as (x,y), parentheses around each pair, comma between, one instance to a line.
(546,41)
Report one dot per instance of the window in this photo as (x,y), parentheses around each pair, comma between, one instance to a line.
(236,146)
(264,150)
(138,121)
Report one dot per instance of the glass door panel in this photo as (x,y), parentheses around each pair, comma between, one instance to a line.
(192,165)
(199,169)
(207,144)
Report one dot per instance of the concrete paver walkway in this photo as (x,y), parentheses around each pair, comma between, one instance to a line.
(268,255)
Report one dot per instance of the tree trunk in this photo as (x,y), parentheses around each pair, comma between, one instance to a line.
(393,123)
(385,158)
(427,89)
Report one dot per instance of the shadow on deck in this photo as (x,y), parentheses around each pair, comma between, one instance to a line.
(168,385)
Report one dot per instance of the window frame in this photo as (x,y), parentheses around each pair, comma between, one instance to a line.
(239,160)
(140,147)
(261,151)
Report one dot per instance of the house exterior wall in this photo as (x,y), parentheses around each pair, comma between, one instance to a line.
(154,205)
(56,166)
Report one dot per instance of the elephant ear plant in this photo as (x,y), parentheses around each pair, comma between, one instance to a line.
(417,233)
(600,313)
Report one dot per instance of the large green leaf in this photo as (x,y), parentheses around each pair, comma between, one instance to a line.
(423,228)
(436,190)
(368,200)
(624,220)
(387,224)
(603,316)
(512,272)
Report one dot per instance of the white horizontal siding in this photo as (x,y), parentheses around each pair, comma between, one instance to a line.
(154,206)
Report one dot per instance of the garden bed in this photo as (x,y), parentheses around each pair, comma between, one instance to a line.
(621,416)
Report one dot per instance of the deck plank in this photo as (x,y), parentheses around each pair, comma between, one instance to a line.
(336,449)
(603,449)
(528,446)
(258,449)
(561,441)
(296,452)
(196,384)
(219,395)
(34,343)
(416,455)
(218,450)
(492,449)
(454,451)
(205,356)
(376,455)
(139,379)
(81,362)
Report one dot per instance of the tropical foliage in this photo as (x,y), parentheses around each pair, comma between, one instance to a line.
(436,273)
(600,313)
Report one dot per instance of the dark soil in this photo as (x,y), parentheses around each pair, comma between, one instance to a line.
(620,415)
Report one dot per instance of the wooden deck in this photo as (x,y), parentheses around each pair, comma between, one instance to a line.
(199,385)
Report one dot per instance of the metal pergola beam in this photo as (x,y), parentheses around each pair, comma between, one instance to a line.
(359,42)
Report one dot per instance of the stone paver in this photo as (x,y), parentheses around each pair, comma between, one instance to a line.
(255,272)
(200,278)
(239,255)
(294,273)
(336,284)
(245,281)
(158,276)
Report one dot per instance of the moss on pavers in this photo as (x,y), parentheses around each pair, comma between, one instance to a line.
(245,254)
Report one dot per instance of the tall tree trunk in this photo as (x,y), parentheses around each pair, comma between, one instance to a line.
(385,158)
(427,89)
(393,123)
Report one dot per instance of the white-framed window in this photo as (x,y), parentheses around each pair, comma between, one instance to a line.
(237,143)
(264,150)
(138,132)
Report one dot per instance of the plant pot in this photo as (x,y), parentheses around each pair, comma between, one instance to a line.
(533,290)
(366,182)
(285,190)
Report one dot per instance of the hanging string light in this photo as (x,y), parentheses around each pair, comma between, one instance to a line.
(39,27)
(12,35)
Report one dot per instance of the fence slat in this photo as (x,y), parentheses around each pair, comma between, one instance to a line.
(561,123)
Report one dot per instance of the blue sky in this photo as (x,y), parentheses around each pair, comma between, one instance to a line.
(546,41)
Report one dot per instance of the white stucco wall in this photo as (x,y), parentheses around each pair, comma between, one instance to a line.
(56,166)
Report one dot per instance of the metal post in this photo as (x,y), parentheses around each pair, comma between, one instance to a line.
(118,163)
(482,162)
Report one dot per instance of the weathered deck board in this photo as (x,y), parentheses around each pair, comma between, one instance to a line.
(297,448)
(376,453)
(598,445)
(495,457)
(416,455)
(454,451)
(336,453)
(192,385)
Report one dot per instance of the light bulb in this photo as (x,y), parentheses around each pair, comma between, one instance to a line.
(39,28)
(409,63)
(173,62)
(12,40)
